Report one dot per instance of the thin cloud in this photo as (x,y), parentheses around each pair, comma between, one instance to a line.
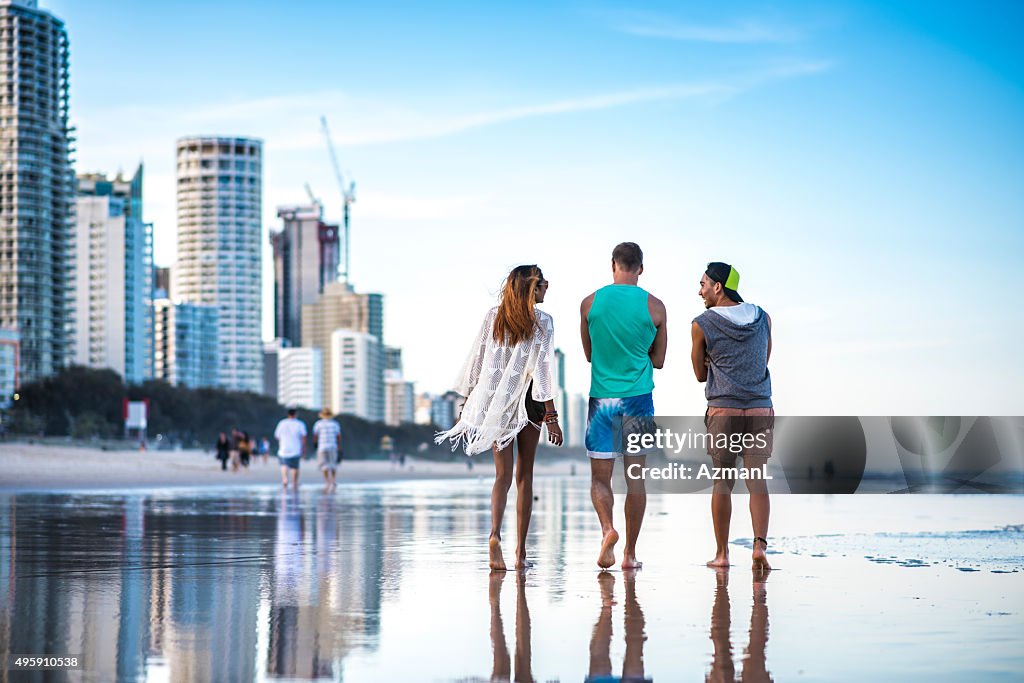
(411,126)
(739,32)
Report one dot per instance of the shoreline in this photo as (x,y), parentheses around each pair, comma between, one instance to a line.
(42,468)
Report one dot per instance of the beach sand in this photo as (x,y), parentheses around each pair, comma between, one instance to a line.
(39,467)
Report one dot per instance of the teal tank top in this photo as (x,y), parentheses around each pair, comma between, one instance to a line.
(621,334)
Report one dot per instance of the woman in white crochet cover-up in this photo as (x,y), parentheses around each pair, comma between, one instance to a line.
(509,383)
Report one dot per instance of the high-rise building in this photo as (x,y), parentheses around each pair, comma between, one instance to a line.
(299,377)
(341,307)
(561,398)
(185,343)
(393,359)
(305,260)
(357,375)
(162,283)
(8,366)
(399,399)
(113,287)
(575,430)
(36,187)
(270,351)
(219,248)
(445,409)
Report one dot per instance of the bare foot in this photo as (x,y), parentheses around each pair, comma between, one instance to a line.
(523,563)
(760,560)
(497,562)
(607,556)
(721,560)
(629,561)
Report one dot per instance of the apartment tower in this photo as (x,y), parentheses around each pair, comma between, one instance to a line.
(219,243)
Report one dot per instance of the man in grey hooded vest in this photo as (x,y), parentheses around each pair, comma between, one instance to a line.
(732,342)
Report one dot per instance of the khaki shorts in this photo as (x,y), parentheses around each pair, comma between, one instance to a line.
(327,459)
(739,431)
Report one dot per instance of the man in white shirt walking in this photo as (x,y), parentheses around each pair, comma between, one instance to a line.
(291,444)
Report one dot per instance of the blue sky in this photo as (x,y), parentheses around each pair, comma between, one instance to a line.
(859,163)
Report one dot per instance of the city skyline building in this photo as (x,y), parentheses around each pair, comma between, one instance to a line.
(341,307)
(300,377)
(162,283)
(270,351)
(185,343)
(575,430)
(113,277)
(356,375)
(306,257)
(219,190)
(399,398)
(8,366)
(561,398)
(445,409)
(36,187)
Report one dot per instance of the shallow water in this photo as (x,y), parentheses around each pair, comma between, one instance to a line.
(390,582)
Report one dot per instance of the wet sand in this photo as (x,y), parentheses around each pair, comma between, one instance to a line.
(38,467)
(389,582)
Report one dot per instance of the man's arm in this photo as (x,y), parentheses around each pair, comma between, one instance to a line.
(659,316)
(699,353)
(769,338)
(584,326)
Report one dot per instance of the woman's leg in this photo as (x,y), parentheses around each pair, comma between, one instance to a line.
(499,496)
(527,440)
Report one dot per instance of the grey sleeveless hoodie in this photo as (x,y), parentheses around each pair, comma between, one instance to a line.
(738,376)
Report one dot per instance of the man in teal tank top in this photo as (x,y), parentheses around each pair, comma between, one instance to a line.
(624,338)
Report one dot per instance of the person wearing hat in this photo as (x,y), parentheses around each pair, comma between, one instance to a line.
(732,342)
(327,439)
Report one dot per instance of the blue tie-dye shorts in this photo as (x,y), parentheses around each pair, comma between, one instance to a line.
(610,421)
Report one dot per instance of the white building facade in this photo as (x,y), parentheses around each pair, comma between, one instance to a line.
(357,376)
(300,377)
(399,399)
(114,277)
(220,248)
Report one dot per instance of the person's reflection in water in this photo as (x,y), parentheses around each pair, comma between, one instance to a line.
(601,637)
(502,668)
(754,666)
(283,651)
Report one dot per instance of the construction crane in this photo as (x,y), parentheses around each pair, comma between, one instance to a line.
(312,197)
(348,195)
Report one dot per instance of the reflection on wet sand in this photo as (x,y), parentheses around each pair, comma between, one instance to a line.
(600,670)
(502,669)
(754,666)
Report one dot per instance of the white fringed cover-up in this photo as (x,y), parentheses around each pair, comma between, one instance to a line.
(495,378)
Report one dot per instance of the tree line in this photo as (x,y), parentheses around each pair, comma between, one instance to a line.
(84,403)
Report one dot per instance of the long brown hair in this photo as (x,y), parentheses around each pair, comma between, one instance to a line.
(516,320)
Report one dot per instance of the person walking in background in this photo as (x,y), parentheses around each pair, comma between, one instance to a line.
(223,448)
(732,343)
(236,455)
(625,336)
(327,441)
(509,384)
(265,448)
(244,449)
(291,444)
